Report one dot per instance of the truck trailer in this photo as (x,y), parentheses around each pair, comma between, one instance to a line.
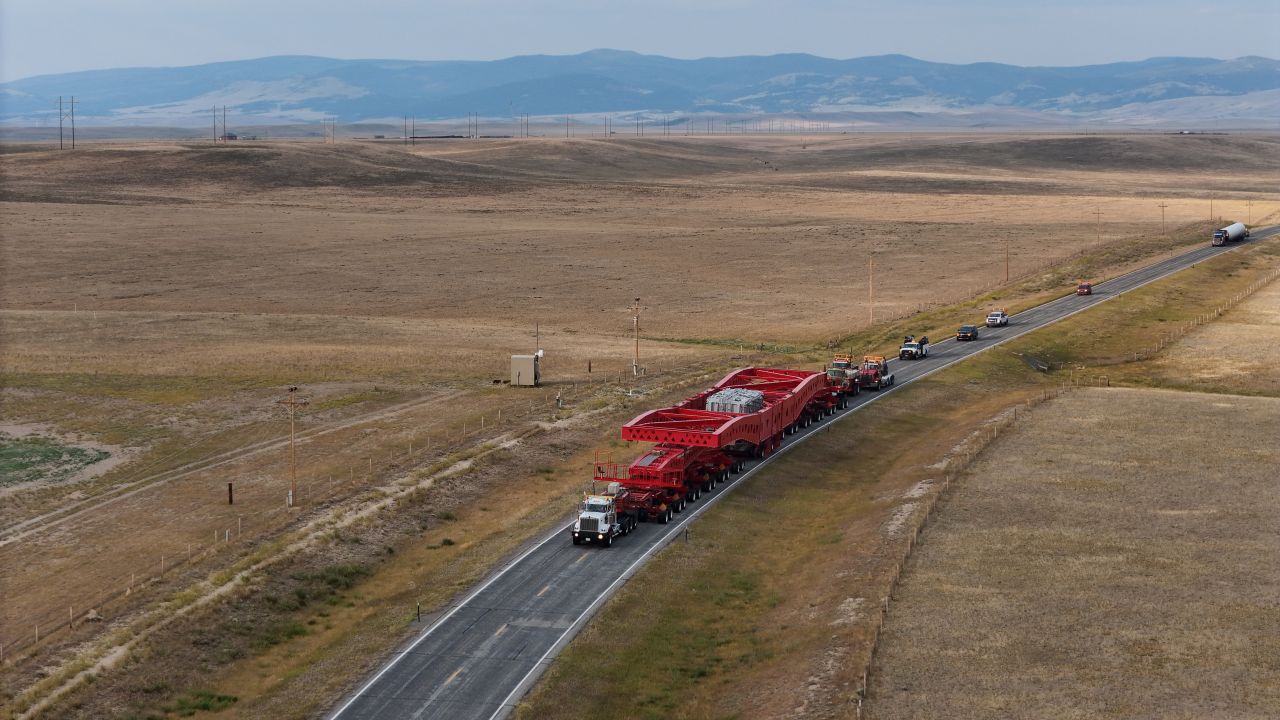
(698,443)
(1230,233)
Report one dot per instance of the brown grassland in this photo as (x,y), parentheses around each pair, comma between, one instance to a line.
(1081,570)
(156,298)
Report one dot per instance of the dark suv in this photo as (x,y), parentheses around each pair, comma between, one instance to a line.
(967,332)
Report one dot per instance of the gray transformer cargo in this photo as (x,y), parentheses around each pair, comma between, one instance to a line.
(736,400)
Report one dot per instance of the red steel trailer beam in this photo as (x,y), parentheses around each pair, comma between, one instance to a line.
(689,423)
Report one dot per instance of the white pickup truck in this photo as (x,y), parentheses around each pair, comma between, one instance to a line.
(997,318)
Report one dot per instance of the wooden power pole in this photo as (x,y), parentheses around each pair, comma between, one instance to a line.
(292,402)
(635,327)
(871,290)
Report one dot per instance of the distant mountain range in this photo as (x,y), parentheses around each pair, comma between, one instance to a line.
(298,89)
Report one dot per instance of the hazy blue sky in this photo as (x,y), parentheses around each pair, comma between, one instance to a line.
(48,36)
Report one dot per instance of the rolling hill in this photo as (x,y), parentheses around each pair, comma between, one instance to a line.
(291,89)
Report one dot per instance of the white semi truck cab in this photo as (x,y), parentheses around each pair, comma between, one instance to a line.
(599,520)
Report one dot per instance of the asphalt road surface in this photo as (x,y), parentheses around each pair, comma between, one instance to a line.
(484,652)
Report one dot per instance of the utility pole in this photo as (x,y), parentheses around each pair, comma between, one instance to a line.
(1211,215)
(1249,204)
(635,325)
(1098,214)
(292,402)
(1163,231)
(871,290)
(73,122)
(215,124)
(1006,258)
(60,116)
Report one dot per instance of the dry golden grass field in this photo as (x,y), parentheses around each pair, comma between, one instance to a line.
(1239,353)
(1081,569)
(155,299)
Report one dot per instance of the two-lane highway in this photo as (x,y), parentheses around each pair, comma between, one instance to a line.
(480,657)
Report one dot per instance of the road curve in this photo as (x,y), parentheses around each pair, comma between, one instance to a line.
(484,653)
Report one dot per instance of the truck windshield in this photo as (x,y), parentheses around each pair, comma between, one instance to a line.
(597,507)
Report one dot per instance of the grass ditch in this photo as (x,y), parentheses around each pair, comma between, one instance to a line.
(768,609)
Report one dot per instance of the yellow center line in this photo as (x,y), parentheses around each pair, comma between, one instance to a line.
(453,676)
(501,630)
(543,591)
(581,557)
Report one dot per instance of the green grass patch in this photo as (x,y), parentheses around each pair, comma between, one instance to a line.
(201,701)
(341,401)
(36,458)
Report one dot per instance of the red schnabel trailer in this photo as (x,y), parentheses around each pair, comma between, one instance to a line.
(698,442)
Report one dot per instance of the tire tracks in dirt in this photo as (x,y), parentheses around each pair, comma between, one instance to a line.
(54,519)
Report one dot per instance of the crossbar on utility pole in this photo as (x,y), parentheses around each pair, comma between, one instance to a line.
(292,402)
(1163,231)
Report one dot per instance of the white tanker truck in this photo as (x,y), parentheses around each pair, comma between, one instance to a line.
(1230,233)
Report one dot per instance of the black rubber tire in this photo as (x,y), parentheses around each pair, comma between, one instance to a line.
(608,541)
(577,541)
